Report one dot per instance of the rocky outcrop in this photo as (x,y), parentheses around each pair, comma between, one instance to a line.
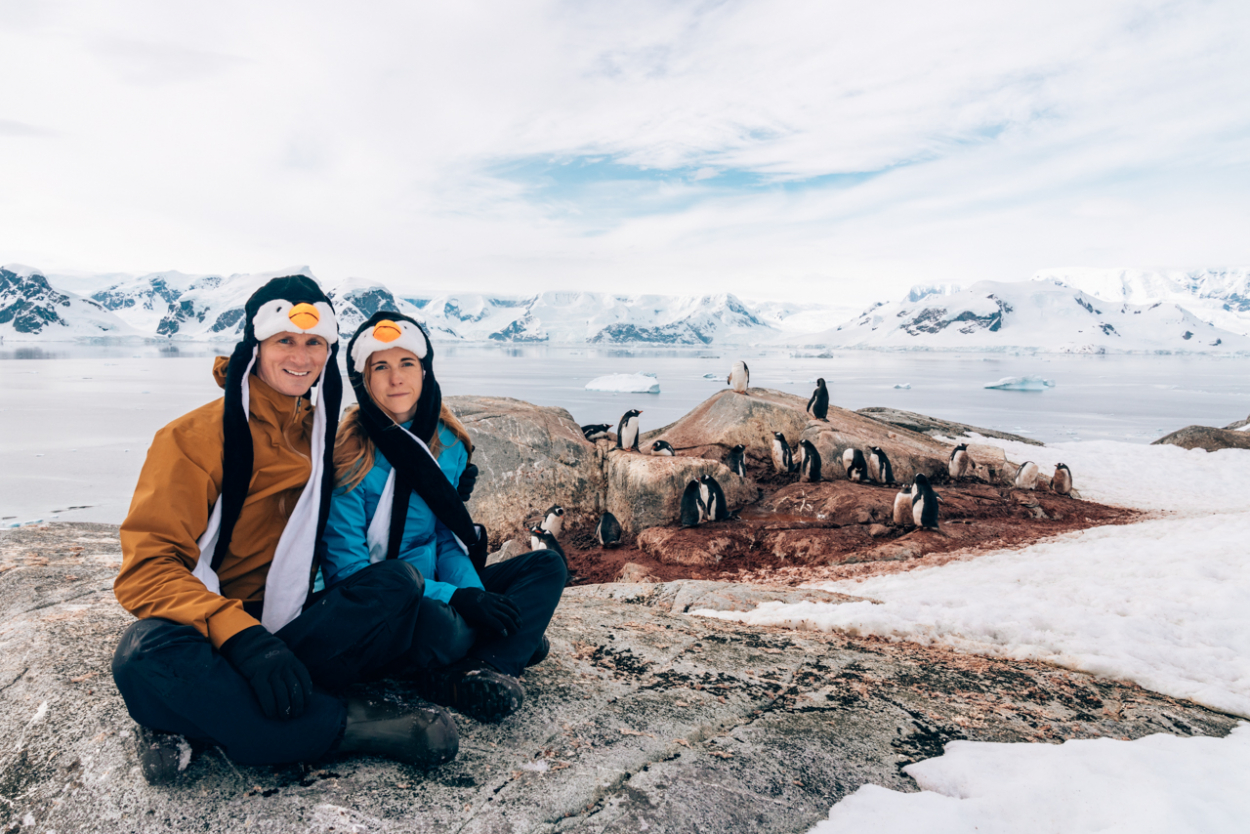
(923,424)
(641,719)
(1206,437)
(645,490)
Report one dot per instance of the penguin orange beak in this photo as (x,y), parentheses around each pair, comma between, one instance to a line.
(304,316)
(386,331)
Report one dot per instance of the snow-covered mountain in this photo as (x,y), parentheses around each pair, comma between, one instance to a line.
(1220,296)
(1041,315)
(31,310)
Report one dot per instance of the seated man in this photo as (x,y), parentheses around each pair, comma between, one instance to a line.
(218,562)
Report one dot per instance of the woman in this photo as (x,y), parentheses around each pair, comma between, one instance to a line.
(396,457)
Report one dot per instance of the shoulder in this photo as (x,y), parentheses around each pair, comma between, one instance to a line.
(199,433)
(448,437)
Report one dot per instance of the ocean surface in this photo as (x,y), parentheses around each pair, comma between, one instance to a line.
(76,421)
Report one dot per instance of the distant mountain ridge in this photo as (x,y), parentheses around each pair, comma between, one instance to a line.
(30,308)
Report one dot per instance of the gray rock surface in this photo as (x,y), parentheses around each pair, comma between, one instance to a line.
(641,719)
(645,490)
(1205,437)
(923,424)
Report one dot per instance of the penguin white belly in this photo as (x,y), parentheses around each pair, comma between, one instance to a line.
(1062,482)
(848,457)
(1026,478)
(629,434)
(902,504)
(874,467)
(917,511)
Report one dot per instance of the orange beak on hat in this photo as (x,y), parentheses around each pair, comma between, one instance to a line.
(386,331)
(304,316)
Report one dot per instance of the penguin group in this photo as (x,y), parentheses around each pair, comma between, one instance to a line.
(704,500)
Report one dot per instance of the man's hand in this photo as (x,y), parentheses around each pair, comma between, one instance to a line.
(482,609)
(278,678)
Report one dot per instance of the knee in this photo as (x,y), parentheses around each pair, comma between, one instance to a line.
(394,582)
(550,564)
(155,647)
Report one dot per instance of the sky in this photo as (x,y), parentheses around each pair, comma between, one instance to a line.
(837,152)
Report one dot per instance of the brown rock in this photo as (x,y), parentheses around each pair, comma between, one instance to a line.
(634,572)
(878,531)
(1205,437)
(727,418)
(705,545)
(645,490)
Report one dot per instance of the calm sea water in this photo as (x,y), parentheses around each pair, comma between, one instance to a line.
(76,421)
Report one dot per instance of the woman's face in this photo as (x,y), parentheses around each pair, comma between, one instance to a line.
(290,362)
(395,379)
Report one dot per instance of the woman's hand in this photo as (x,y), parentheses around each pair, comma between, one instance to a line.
(468,480)
(482,609)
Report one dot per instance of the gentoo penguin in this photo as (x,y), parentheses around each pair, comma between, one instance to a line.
(1026,475)
(879,465)
(783,458)
(961,462)
(553,520)
(740,377)
(627,431)
(818,405)
(662,447)
(1062,482)
(902,507)
(809,468)
(596,431)
(540,539)
(608,531)
(924,503)
(856,465)
(693,510)
(714,497)
(737,460)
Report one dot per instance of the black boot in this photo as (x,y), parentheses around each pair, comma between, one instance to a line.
(162,756)
(474,688)
(540,654)
(423,736)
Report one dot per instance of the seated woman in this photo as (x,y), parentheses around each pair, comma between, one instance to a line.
(396,456)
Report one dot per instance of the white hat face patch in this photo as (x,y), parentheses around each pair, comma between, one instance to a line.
(281,316)
(385,335)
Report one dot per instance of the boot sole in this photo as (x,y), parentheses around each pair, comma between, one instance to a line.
(485,697)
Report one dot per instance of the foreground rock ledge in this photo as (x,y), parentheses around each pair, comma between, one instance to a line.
(643,718)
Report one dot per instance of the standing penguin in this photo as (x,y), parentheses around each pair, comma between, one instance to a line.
(714,497)
(809,469)
(627,430)
(924,503)
(693,510)
(540,539)
(902,507)
(856,465)
(783,458)
(818,405)
(595,431)
(662,447)
(1062,481)
(1026,475)
(740,377)
(879,465)
(553,520)
(961,462)
(737,460)
(608,531)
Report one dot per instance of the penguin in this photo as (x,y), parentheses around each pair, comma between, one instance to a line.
(662,447)
(902,507)
(924,503)
(737,460)
(714,497)
(553,520)
(809,469)
(783,459)
(1026,475)
(739,377)
(540,539)
(961,463)
(627,431)
(693,510)
(1062,481)
(608,531)
(818,405)
(856,465)
(879,467)
(596,431)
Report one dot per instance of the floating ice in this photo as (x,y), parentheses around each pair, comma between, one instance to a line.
(1022,383)
(711,376)
(904,385)
(625,384)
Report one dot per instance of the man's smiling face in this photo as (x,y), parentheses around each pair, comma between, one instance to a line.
(290,362)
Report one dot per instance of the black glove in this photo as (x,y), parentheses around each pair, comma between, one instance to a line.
(480,549)
(484,610)
(468,479)
(280,681)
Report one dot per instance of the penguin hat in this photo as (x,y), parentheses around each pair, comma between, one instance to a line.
(292,304)
(413,466)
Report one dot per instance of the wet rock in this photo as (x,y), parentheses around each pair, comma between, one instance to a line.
(1206,437)
(645,490)
(932,426)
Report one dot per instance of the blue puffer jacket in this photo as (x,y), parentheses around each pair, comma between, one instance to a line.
(428,545)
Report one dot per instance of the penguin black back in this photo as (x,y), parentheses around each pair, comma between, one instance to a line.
(884,471)
(858,470)
(595,431)
(737,460)
(627,430)
(810,468)
(818,405)
(662,447)
(608,531)
(924,503)
(717,510)
(783,457)
(692,506)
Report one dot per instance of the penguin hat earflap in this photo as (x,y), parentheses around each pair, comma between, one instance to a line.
(413,465)
(292,304)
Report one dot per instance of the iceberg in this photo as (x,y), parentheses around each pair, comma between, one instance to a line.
(904,385)
(625,384)
(711,376)
(1018,383)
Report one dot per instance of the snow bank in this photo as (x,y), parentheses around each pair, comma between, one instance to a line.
(1018,383)
(1159,783)
(625,384)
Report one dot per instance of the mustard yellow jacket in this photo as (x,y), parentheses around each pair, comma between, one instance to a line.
(176,493)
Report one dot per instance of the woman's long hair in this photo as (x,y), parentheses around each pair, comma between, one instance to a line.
(354,452)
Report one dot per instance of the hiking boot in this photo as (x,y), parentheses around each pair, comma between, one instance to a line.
(540,654)
(424,736)
(162,756)
(474,688)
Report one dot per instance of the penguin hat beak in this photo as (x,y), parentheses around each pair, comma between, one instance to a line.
(304,316)
(386,331)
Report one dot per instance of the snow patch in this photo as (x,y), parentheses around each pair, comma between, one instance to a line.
(625,384)
(1018,383)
